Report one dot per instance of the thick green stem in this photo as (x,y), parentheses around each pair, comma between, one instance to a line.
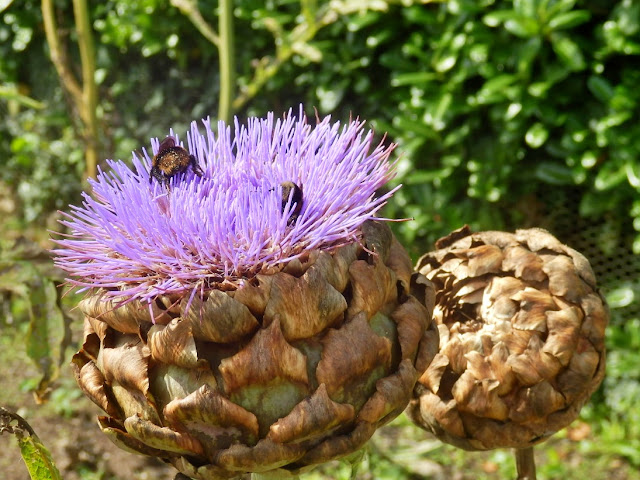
(227,60)
(89,87)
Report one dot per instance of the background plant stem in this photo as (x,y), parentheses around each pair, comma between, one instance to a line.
(89,88)
(226,52)
(83,96)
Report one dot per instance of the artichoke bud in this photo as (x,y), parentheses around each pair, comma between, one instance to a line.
(284,371)
(521,349)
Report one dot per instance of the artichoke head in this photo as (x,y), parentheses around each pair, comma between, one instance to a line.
(521,327)
(276,373)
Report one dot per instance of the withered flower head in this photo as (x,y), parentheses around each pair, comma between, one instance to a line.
(229,329)
(521,328)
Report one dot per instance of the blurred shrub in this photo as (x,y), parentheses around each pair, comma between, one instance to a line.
(41,159)
(495,104)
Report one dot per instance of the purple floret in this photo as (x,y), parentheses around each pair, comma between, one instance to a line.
(139,240)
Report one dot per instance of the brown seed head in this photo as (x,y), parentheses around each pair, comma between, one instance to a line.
(521,328)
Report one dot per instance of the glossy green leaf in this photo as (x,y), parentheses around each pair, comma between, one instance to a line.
(567,20)
(495,18)
(445,62)
(568,51)
(495,89)
(523,27)
(554,173)
(528,53)
(536,135)
(4,4)
(512,111)
(440,111)
(613,120)
(601,88)
(610,177)
(412,78)
(525,7)
(560,6)
(632,169)
(497,84)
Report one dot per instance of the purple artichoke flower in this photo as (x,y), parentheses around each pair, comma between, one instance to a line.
(247,312)
(138,239)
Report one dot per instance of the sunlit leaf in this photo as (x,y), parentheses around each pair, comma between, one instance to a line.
(610,177)
(445,62)
(536,135)
(569,19)
(601,88)
(568,51)
(620,297)
(412,78)
(36,456)
(495,18)
(633,173)
(554,173)
(523,27)
(4,4)
(307,51)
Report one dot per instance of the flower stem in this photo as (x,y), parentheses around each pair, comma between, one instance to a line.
(525,464)
(272,476)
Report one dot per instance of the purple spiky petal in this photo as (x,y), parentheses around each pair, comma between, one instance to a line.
(139,240)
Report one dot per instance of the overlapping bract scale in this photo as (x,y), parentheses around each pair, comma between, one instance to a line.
(521,326)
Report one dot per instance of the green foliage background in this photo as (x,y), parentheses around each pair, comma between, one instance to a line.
(502,110)
(492,102)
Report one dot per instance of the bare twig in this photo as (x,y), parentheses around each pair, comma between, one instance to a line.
(189,8)
(58,55)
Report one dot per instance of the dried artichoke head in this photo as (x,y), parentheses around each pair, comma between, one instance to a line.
(276,374)
(521,326)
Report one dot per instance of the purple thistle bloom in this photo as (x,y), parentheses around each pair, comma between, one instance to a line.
(139,240)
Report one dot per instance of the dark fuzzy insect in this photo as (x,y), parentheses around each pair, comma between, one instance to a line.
(296,200)
(171,160)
